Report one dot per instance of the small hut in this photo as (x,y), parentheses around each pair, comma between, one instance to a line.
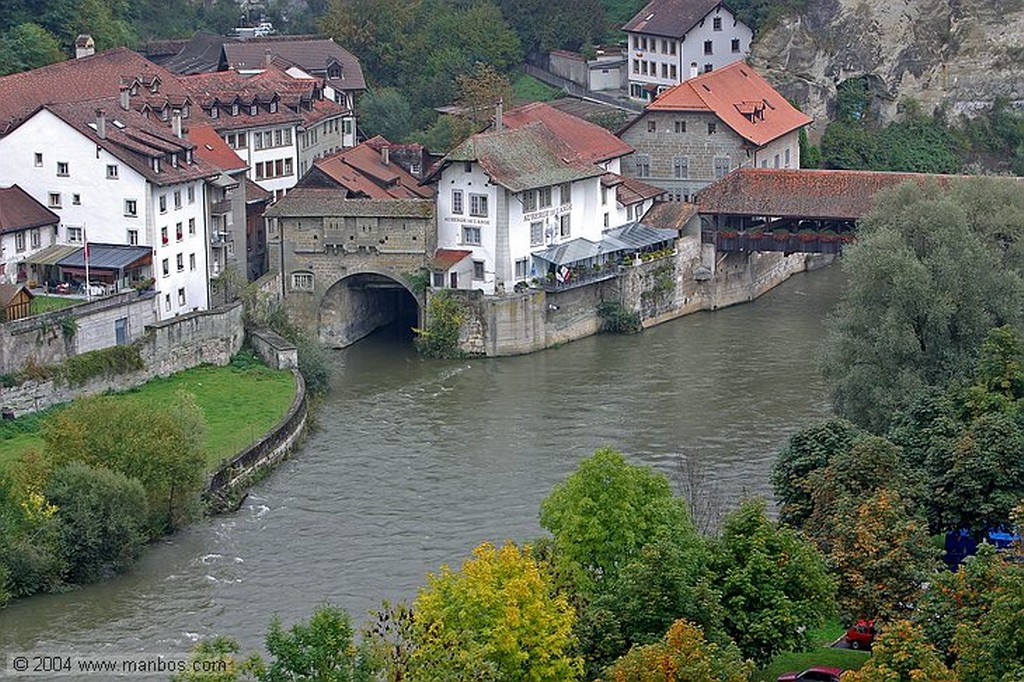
(15,302)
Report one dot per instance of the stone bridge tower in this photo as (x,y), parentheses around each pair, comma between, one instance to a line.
(349,266)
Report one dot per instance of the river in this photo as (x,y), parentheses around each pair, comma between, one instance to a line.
(415,462)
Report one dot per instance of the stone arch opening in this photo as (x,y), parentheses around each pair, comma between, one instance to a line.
(359,304)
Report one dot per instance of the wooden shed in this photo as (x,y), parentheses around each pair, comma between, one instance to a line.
(15,302)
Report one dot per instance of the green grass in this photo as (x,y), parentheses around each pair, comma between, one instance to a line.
(529,89)
(239,406)
(44,304)
(820,654)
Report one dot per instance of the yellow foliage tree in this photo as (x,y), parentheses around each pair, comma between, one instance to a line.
(684,656)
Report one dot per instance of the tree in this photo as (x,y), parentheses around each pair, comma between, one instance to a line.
(385,111)
(445,133)
(161,447)
(901,654)
(206,659)
(774,584)
(993,649)
(102,516)
(28,46)
(683,654)
(319,651)
(31,560)
(808,451)
(480,91)
(605,512)
(497,618)
(928,278)
(544,26)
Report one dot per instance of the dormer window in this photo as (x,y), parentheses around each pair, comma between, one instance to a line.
(156,164)
(134,90)
(214,111)
(273,107)
(234,109)
(174,160)
(188,156)
(155,87)
(184,111)
(165,113)
(254,109)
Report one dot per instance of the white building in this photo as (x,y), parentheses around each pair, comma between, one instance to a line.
(116,180)
(26,228)
(672,40)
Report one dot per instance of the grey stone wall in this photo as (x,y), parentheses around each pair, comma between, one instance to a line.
(206,337)
(275,350)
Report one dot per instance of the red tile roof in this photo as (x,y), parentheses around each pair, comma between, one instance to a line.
(670,18)
(822,194)
(19,211)
(310,53)
(741,98)
(672,215)
(97,76)
(210,147)
(633,191)
(446,258)
(362,171)
(255,194)
(592,142)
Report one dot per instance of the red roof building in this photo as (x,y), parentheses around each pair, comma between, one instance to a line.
(698,131)
(589,140)
(366,172)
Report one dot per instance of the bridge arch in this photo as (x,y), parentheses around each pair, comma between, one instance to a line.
(362,301)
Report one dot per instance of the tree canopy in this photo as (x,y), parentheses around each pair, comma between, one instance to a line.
(683,654)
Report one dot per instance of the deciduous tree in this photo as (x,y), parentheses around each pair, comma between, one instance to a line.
(901,654)
(683,654)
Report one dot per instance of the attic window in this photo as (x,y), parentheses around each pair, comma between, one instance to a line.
(253,109)
(184,111)
(155,87)
(188,156)
(174,160)
(134,90)
(234,109)
(156,164)
(165,113)
(649,17)
(214,111)
(273,107)
(118,124)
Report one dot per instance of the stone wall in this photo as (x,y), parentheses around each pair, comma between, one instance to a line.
(275,350)
(206,337)
(41,339)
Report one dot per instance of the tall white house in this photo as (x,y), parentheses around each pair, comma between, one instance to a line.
(670,41)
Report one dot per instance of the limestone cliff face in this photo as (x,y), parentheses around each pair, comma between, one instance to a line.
(959,54)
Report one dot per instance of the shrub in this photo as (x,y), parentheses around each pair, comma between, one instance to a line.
(445,315)
(615,319)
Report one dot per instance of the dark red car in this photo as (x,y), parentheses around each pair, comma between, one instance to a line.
(817,673)
(862,635)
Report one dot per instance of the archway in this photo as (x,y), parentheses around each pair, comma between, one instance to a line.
(359,304)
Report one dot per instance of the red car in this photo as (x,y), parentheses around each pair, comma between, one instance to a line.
(817,673)
(862,635)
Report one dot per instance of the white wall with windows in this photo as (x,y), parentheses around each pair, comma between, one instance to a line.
(180,264)
(271,152)
(466,217)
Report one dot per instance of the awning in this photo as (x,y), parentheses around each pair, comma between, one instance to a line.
(571,252)
(628,238)
(637,236)
(51,254)
(109,257)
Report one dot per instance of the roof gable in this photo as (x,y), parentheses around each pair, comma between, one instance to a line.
(312,53)
(589,140)
(19,211)
(670,18)
(362,171)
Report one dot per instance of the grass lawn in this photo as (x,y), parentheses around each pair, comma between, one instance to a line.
(44,304)
(820,654)
(529,89)
(239,406)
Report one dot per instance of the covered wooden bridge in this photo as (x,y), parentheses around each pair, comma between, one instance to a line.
(810,211)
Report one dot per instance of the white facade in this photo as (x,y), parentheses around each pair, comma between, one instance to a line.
(100,198)
(656,63)
(15,247)
(271,152)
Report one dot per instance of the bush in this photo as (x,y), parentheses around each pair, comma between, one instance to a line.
(615,319)
(78,369)
(445,315)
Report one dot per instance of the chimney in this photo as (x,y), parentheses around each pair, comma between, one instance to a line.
(267,58)
(176,122)
(693,70)
(101,124)
(84,46)
(385,154)
(498,122)
(124,96)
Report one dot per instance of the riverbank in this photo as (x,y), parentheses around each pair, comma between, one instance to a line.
(240,402)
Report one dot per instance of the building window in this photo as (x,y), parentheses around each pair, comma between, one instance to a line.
(302,281)
(234,109)
(457,201)
(133,237)
(19,241)
(439,280)
(111,171)
(191,227)
(191,194)
(721,166)
(467,167)
(643,165)
(643,67)
(712,127)
(163,203)
(131,208)
(470,235)
(664,70)
(529,200)
(38,159)
(179,260)
(163,236)
(62,169)
(522,271)
(735,44)
(672,47)
(606,220)
(604,195)
(536,234)
(787,157)
(76,199)
(36,241)
(75,235)
(177,199)
(777,161)
(253,109)
(680,126)
(709,47)
(565,193)
(179,234)
(167,302)
(636,66)
(181,296)
(716,23)
(664,46)
(564,226)
(708,68)
(544,197)
(681,166)
(478,270)
(478,205)
(652,126)
(674,75)
(165,267)
(54,199)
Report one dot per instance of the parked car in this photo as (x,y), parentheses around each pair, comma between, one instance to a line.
(861,635)
(817,673)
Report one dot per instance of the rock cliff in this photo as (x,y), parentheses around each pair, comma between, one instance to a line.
(956,54)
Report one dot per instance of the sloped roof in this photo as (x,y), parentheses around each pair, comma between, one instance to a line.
(629,237)
(96,76)
(589,140)
(632,191)
(740,97)
(9,291)
(312,53)
(210,147)
(107,256)
(821,194)
(200,54)
(670,215)
(523,158)
(19,211)
(255,194)
(670,18)
(362,171)
(446,258)
(302,201)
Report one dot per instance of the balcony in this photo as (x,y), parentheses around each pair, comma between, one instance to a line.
(219,239)
(220,207)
